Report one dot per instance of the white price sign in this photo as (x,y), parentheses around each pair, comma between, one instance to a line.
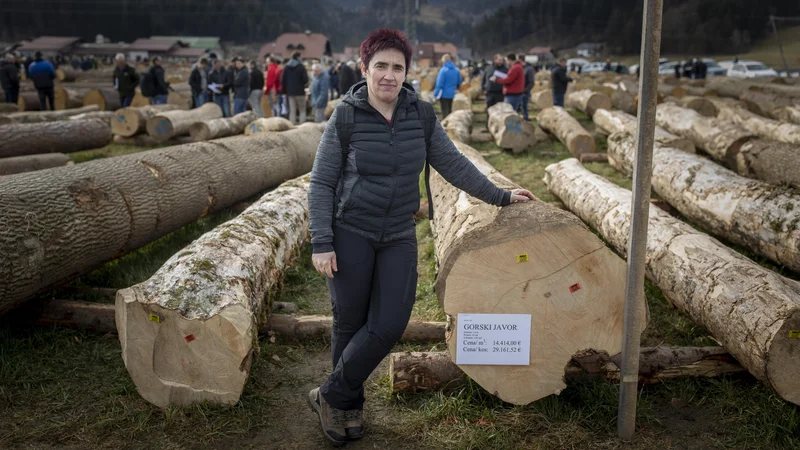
(494,339)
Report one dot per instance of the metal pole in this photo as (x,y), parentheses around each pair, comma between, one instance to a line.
(640,213)
(780,46)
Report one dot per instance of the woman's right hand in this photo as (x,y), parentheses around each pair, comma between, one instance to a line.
(325,263)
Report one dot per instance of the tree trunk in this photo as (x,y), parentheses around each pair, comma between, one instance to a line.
(587,101)
(763,103)
(770,161)
(525,259)
(461,102)
(68,97)
(619,122)
(66,75)
(64,136)
(458,125)
(219,128)
(702,105)
(625,101)
(104,116)
(132,120)
(30,163)
(559,122)
(28,101)
(772,129)
(750,310)
(305,328)
(145,140)
(413,372)
(188,332)
(169,124)
(91,213)
(509,130)
(268,125)
(603,89)
(754,214)
(542,99)
(790,114)
(106,98)
(721,139)
(594,158)
(45,116)
(727,87)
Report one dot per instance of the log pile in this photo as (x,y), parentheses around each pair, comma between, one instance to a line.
(458,125)
(266,125)
(461,102)
(45,116)
(772,129)
(30,163)
(587,101)
(63,136)
(557,121)
(106,98)
(169,124)
(702,105)
(542,99)
(509,130)
(132,120)
(620,122)
(750,310)
(790,114)
(219,128)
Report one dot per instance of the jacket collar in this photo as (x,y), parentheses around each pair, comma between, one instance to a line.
(358,96)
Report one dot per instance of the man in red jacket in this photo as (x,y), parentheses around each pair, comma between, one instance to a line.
(513,83)
(272,85)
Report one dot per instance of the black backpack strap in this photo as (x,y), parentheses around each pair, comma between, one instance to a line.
(428,118)
(345,124)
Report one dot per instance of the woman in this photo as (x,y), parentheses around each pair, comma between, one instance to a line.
(362,222)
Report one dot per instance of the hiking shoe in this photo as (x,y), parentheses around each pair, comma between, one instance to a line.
(330,419)
(354,423)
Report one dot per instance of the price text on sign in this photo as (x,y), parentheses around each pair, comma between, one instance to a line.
(494,339)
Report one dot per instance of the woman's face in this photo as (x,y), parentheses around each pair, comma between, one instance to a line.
(385,74)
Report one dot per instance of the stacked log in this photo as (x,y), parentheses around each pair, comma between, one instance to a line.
(754,214)
(53,137)
(789,114)
(702,105)
(587,101)
(94,212)
(509,130)
(132,120)
(727,87)
(30,163)
(66,75)
(169,124)
(559,122)
(268,125)
(69,97)
(625,101)
(106,98)
(219,128)
(458,125)
(728,294)
(699,91)
(668,90)
(772,129)
(45,116)
(104,116)
(28,101)
(145,140)
(620,122)
(542,99)
(461,102)
(528,258)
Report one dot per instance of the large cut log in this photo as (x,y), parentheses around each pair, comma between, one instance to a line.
(474,93)
(757,215)
(668,90)
(700,91)
(219,128)
(727,87)
(30,163)
(45,116)
(64,136)
(331,107)
(61,223)
(67,75)
(763,103)
(753,312)
(587,101)
(790,114)
(303,328)
(169,124)
(69,97)
(768,128)
(529,258)
(620,122)
(145,140)
(188,332)
(461,102)
(104,116)
(414,372)
(266,125)
(542,99)
(770,161)
(6,108)
(625,101)
(721,139)
(603,89)
(458,125)
(28,101)
(106,98)
(702,105)
(558,121)
(509,130)
(132,120)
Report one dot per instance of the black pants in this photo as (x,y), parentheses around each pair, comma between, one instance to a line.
(12,94)
(493,98)
(372,295)
(447,106)
(45,95)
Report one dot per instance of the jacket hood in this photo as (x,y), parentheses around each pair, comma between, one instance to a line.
(358,94)
(293,63)
(450,65)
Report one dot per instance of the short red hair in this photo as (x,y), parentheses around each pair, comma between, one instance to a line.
(385,39)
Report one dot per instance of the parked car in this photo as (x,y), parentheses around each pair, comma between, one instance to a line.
(632,69)
(593,67)
(668,68)
(713,69)
(751,69)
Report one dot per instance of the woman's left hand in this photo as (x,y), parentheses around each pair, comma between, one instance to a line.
(522,195)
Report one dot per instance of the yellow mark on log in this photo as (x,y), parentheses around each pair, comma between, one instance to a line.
(155,318)
(794,334)
(522,258)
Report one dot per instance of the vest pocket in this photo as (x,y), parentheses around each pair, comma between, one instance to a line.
(349,201)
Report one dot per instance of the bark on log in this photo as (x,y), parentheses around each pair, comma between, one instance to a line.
(763,103)
(331,107)
(219,128)
(66,75)
(594,158)
(106,98)
(131,121)
(271,124)
(772,129)
(542,99)
(750,310)
(69,97)
(461,102)
(702,105)
(474,93)
(757,215)
(619,122)
(625,101)
(790,114)
(45,116)
(458,125)
(770,161)
(587,101)
(303,328)
(667,90)
(145,140)
(64,136)
(30,163)
(523,259)
(699,91)
(414,372)
(719,138)
(28,101)
(509,130)
(188,332)
(556,120)
(104,116)
(169,124)
(6,108)
(61,223)
(727,87)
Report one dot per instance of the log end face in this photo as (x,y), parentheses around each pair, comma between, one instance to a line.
(782,357)
(160,128)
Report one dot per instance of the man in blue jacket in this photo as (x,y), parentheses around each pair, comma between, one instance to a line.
(319,92)
(43,73)
(447,84)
